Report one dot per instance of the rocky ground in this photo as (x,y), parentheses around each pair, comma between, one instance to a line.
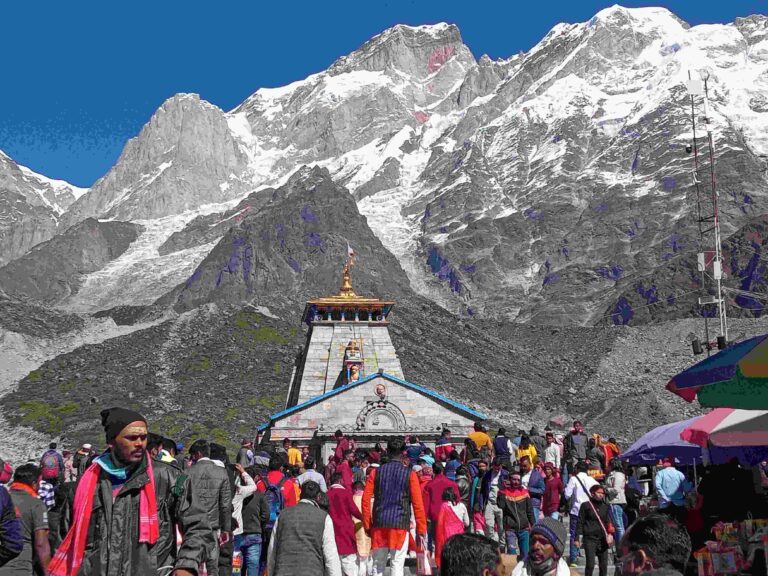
(29,336)
(218,372)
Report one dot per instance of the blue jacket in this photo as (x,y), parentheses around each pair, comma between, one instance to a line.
(536,485)
(11,536)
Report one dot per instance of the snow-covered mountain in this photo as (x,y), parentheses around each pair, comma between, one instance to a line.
(30,207)
(532,188)
(552,187)
(186,156)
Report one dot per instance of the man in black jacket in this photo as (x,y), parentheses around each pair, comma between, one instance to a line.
(210,484)
(114,545)
(515,504)
(219,456)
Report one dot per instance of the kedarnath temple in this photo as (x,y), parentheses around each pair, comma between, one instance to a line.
(349,378)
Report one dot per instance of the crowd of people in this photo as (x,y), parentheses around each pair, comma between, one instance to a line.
(145,506)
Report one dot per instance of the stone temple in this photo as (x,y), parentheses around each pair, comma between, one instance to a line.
(349,378)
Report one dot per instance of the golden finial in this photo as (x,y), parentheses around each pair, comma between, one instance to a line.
(346,279)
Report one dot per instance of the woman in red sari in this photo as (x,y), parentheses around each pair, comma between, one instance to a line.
(453,519)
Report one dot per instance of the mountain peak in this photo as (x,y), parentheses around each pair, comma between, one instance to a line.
(186,100)
(435,30)
(754,28)
(407,49)
(637,18)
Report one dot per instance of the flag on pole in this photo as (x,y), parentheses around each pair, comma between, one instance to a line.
(350,252)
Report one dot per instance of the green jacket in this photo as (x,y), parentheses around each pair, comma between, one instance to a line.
(113,547)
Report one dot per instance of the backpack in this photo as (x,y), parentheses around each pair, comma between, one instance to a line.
(275,500)
(50,466)
(473,452)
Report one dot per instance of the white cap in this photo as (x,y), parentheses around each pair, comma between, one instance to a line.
(87,446)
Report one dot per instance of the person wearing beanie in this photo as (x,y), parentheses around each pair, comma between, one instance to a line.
(547,545)
(125,510)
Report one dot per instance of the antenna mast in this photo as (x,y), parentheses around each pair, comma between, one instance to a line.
(695,88)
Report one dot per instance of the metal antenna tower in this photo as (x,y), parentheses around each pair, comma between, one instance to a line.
(696,88)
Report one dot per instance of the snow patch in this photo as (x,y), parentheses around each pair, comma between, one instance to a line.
(140,275)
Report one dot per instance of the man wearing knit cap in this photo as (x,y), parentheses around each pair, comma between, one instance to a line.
(126,509)
(548,540)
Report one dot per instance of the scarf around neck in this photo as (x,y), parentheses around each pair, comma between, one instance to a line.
(69,556)
(24,488)
(106,463)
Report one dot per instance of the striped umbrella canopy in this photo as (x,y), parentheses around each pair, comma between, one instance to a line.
(736,377)
(729,427)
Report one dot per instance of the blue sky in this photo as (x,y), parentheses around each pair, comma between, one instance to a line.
(80,78)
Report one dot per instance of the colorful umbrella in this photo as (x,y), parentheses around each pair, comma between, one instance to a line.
(736,377)
(664,441)
(728,427)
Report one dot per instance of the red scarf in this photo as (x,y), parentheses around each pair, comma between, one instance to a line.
(69,556)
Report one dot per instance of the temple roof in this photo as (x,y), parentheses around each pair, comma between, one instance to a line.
(426,391)
(346,298)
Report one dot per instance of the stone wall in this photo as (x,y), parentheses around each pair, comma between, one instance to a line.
(324,357)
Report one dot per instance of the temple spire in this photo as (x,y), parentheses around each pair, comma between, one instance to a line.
(346,278)
(346,305)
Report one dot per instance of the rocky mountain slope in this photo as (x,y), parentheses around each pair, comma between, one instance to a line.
(53,270)
(673,290)
(226,360)
(29,336)
(30,207)
(223,363)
